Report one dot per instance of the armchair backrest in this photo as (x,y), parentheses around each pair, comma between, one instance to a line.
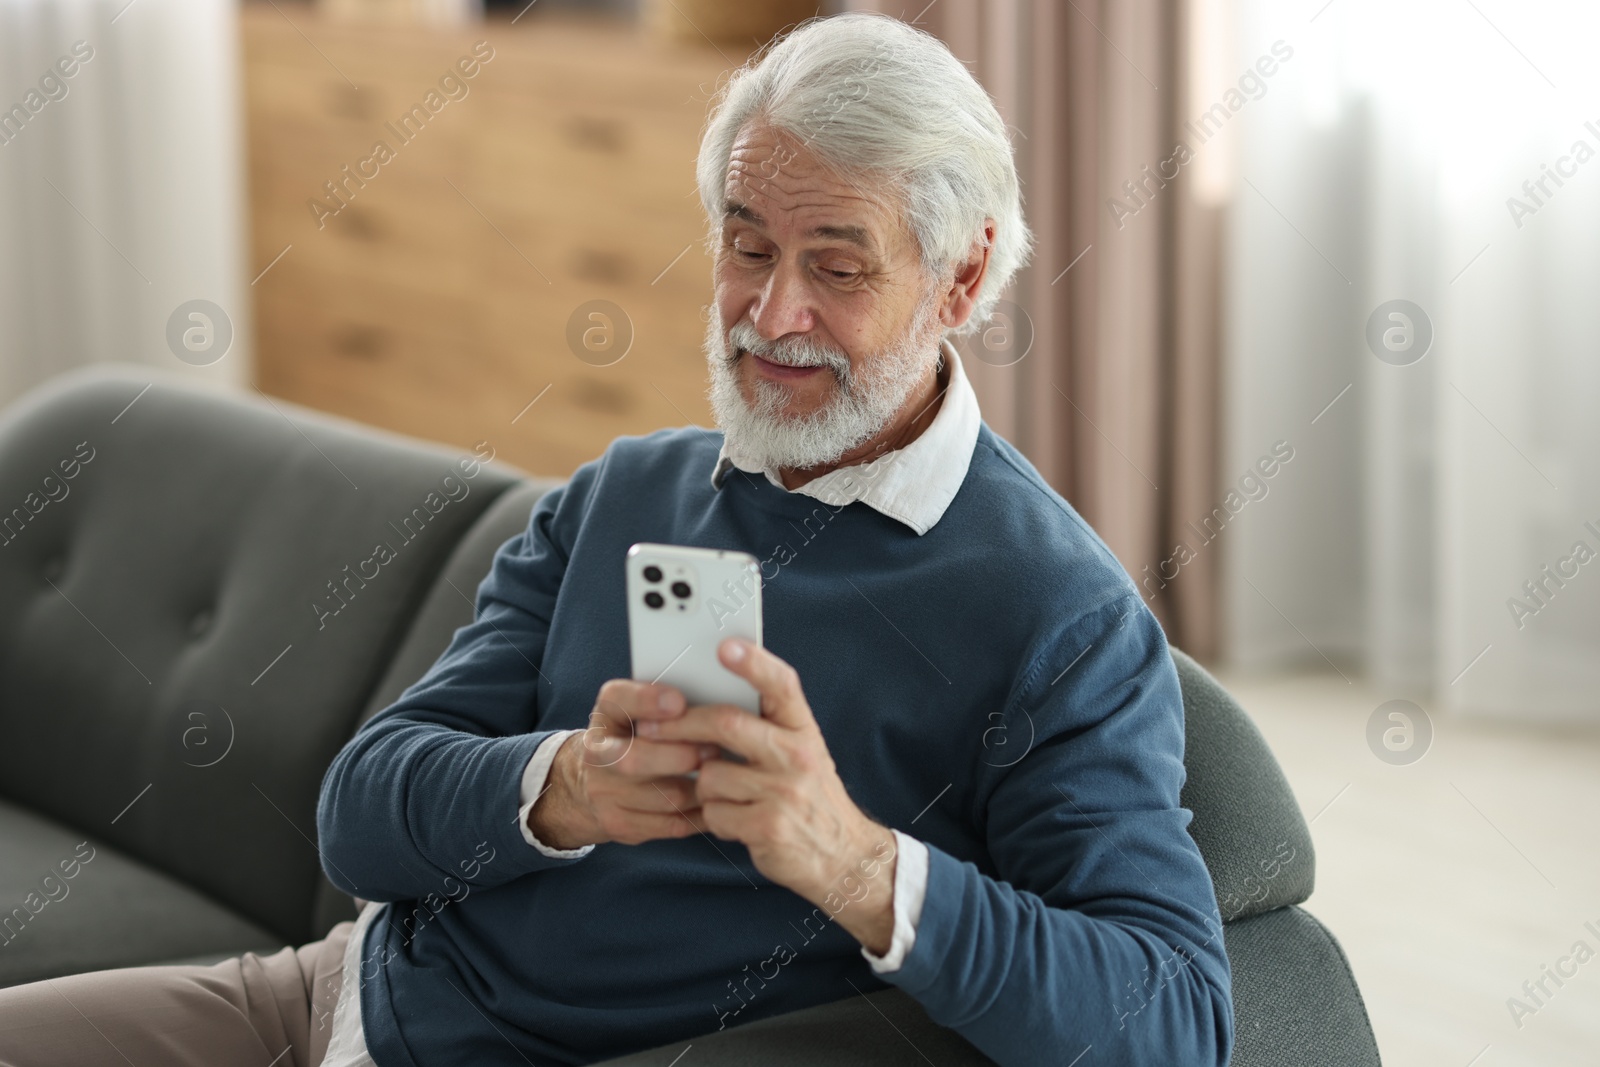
(1246,820)
(199,591)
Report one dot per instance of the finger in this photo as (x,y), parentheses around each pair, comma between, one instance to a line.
(657,759)
(724,780)
(623,702)
(727,725)
(633,828)
(679,797)
(782,700)
(659,796)
(729,820)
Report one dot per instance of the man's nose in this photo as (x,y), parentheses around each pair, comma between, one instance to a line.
(783,305)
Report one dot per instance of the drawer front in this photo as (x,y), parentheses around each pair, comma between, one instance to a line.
(430,292)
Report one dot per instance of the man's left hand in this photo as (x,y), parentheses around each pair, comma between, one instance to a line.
(786,804)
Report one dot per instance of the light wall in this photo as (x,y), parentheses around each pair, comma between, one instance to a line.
(121,193)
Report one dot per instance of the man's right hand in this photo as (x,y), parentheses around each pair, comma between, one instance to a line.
(606,784)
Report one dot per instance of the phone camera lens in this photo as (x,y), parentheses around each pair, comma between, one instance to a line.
(681,590)
(654,599)
(652,573)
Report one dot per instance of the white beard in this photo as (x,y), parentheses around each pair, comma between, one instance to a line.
(760,434)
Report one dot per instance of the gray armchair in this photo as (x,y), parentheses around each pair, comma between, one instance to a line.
(186,640)
(1295,1001)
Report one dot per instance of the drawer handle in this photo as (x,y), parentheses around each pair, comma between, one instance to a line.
(344,101)
(597,134)
(361,342)
(601,397)
(598,265)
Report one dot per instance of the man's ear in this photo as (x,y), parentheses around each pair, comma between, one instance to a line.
(962,296)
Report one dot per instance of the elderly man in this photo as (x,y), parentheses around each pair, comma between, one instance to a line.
(964,779)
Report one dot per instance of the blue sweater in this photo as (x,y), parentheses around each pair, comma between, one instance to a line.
(994,687)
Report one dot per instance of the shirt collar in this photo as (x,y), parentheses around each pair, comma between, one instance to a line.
(914,484)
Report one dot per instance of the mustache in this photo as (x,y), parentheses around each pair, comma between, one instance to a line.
(801,352)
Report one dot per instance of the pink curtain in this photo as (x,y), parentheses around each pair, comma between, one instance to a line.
(1116,401)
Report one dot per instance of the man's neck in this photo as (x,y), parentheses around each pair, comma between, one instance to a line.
(914,417)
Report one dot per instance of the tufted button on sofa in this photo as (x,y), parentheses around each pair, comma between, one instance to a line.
(196,614)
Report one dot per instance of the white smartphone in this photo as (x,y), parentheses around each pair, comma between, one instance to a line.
(682,602)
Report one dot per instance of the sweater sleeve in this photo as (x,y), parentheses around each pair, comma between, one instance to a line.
(1097,926)
(433,783)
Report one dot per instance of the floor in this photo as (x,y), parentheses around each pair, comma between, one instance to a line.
(1452,880)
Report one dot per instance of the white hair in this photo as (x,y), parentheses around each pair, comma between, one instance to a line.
(884,105)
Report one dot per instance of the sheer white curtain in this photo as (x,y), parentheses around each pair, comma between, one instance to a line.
(121,183)
(1426,499)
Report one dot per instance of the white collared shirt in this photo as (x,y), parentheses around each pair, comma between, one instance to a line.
(913,485)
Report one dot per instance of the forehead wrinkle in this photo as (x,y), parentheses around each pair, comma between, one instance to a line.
(850,232)
(789,194)
(861,235)
(791,189)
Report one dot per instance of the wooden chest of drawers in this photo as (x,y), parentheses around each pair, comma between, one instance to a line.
(431,291)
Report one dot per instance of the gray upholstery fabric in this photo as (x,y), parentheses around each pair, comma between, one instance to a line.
(883,1029)
(449,605)
(1294,999)
(159,613)
(168,693)
(1295,1004)
(1246,819)
(112,910)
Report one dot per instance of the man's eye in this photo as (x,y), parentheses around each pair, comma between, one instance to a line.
(748,256)
(842,275)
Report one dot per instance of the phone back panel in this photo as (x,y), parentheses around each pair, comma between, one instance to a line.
(681,603)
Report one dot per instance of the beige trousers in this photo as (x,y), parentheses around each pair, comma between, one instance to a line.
(249,1011)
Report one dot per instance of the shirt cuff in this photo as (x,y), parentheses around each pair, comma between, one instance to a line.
(910,888)
(533,784)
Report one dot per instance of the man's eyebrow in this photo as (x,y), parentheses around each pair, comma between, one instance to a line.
(737,210)
(856,235)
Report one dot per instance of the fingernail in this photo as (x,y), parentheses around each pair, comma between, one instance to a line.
(649,727)
(670,700)
(735,650)
(708,751)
